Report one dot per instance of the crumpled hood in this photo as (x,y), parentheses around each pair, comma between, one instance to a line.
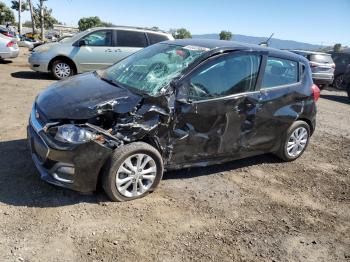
(83,97)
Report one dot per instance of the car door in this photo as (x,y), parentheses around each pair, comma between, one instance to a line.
(280,103)
(129,42)
(94,51)
(215,108)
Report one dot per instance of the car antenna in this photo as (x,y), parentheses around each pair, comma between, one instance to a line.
(266,42)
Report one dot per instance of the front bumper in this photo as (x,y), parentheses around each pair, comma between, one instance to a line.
(71,166)
(38,62)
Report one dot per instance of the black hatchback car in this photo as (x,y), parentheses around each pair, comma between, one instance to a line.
(172,105)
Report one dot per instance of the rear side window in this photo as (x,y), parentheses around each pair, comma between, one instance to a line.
(321,58)
(225,76)
(156,38)
(131,38)
(280,72)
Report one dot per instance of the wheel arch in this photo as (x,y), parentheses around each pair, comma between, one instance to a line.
(309,122)
(63,58)
(146,139)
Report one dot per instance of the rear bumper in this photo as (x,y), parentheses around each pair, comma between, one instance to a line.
(73,166)
(322,79)
(11,54)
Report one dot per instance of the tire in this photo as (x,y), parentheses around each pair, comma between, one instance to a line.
(337,83)
(61,69)
(113,172)
(284,153)
(348,91)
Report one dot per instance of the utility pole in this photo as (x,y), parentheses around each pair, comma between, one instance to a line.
(42,19)
(20,17)
(32,15)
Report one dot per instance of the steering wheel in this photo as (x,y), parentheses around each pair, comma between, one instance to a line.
(159,69)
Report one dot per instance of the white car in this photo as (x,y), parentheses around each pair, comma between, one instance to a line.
(8,47)
(27,42)
(95,48)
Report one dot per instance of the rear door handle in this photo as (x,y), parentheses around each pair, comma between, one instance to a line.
(108,50)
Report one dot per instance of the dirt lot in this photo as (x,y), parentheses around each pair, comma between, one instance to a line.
(256,209)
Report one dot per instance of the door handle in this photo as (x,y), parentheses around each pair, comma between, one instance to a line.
(117,50)
(108,50)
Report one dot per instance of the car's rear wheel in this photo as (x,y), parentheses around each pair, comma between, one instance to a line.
(133,171)
(338,81)
(295,141)
(61,69)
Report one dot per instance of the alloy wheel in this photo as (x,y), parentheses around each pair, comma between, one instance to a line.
(338,82)
(297,142)
(136,175)
(62,70)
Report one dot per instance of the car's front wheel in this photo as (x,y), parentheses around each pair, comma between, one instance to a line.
(61,69)
(295,141)
(133,171)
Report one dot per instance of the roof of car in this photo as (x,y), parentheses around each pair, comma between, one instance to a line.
(134,28)
(309,52)
(224,44)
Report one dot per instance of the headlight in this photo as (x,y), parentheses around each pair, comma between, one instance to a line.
(73,134)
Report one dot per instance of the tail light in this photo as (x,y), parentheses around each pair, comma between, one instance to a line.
(316,93)
(313,65)
(11,44)
(333,66)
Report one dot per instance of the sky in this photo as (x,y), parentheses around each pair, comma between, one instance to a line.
(323,22)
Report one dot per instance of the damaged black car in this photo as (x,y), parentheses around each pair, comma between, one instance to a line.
(172,105)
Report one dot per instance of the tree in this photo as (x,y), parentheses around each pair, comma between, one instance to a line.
(6,14)
(107,24)
(42,16)
(225,35)
(89,22)
(337,48)
(15,5)
(32,15)
(181,33)
(20,7)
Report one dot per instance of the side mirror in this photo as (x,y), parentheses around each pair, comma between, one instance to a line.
(181,92)
(81,43)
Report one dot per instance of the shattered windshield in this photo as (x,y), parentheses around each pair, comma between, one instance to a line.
(152,69)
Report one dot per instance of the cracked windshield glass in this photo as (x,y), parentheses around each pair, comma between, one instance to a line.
(152,69)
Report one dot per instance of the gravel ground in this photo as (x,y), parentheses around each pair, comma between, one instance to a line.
(256,209)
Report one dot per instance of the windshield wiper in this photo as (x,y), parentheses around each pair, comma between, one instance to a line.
(109,81)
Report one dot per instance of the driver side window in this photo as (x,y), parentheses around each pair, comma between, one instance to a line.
(99,38)
(225,76)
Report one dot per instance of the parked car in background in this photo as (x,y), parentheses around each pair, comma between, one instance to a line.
(8,47)
(92,49)
(28,42)
(346,80)
(341,60)
(322,67)
(173,105)
(4,31)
